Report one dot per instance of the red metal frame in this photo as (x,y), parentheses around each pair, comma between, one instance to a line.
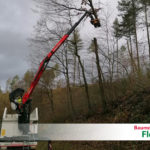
(46,60)
(41,69)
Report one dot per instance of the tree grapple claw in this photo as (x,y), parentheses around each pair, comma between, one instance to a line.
(94,20)
(96,23)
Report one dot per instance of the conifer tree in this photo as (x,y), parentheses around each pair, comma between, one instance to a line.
(145,4)
(129,11)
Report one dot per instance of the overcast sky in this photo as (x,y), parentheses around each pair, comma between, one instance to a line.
(16,24)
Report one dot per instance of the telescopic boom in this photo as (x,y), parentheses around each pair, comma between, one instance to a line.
(46,60)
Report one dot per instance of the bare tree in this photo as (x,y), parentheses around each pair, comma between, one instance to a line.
(76,45)
(100,81)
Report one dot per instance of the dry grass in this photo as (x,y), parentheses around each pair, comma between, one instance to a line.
(121,95)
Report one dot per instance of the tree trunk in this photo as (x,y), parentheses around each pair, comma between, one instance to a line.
(69,91)
(136,38)
(92,73)
(74,69)
(50,97)
(109,56)
(133,65)
(131,45)
(79,74)
(137,49)
(92,7)
(85,82)
(117,58)
(148,36)
(101,87)
(83,74)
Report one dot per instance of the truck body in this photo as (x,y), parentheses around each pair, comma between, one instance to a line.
(10,132)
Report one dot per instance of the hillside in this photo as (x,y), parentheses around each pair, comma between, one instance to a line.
(127,104)
(130,108)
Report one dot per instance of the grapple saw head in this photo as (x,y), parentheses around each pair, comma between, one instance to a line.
(95,21)
(92,13)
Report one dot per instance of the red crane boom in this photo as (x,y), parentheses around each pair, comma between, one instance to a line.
(45,61)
